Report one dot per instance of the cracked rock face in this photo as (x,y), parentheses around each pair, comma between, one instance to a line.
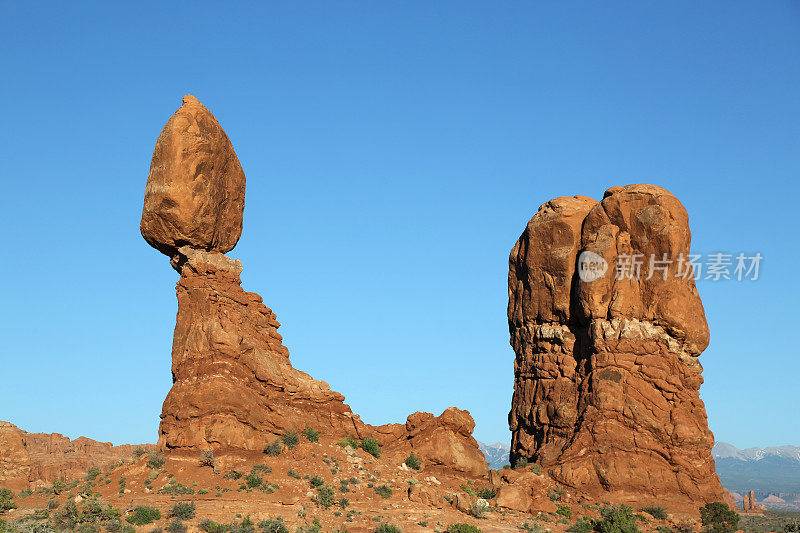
(606,388)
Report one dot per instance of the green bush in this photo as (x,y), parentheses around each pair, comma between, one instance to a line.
(486,493)
(664,529)
(155,460)
(143,515)
(792,526)
(274,449)
(207,459)
(555,495)
(383,491)
(386,527)
(292,473)
(479,508)
(138,452)
(273,525)
(184,510)
(316,481)
(717,517)
(536,469)
(311,434)
(348,441)
(6,500)
(176,526)
(522,462)
(326,496)
(563,510)
(173,487)
(616,520)
(253,480)
(462,528)
(371,446)
(655,511)
(581,525)
(412,461)
(209,526)
(290,439)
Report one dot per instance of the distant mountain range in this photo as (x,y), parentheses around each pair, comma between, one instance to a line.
(774,470)
(496,454)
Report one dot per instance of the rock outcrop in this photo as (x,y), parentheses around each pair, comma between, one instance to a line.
(606,392)
(233,384)
(40,458)
(195,190)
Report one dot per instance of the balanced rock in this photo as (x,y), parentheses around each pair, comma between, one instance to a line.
(233,384)
(195,190)
(607,325)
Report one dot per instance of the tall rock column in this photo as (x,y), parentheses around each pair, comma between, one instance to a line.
(233,384)
(606,390)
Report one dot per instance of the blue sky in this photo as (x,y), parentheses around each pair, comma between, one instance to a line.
(393,153)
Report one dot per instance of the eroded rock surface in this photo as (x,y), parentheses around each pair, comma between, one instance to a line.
(195,190)
(606,391)
(40,458)
(233,384)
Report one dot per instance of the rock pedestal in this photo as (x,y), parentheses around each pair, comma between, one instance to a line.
(606,390)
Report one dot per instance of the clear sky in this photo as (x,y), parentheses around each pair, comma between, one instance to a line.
(394,152)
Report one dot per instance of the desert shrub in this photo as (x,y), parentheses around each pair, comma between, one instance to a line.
(616,520)
(555,495)
(326,496)
(176,526)
(138,452)
(664,529)
(115,526)
(521,462)
(290,439)
(253,480)
(155,460)
(535,527)
(469,490)
(6,500)
(792,526)
(143,515)
(343,503)
(348,441)
(207,459)
(655,511)
(311,434)
(371,446)
(273,525)
(717,517)
(581,525)
(383,491)
(209,526)
(233,474)
(412,461)
(316,481)
(184,510)
(261,468)
(313,527)
(92,474)
(462,528)
(292,473)
(536,469)
(486,493)
(274,449)
(88,527)
(52,504)
(173,487)
(563,510)
(386,527)
(479,508)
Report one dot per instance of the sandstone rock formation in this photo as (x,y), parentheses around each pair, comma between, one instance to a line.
(606,391)
(39,458)
(233,384)
(195,190)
